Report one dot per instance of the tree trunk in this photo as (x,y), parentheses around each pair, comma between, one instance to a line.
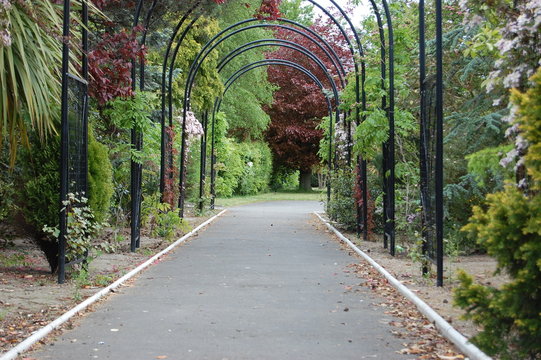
(305,180)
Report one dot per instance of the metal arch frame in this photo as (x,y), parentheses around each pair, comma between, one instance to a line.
(390,221)
(288,45)
(312,32)
(439,90)
(163,143)
(237,75)
(256,44)
(197,63)
(194,68)
(232,55)
(136,169)
(363,100)
(272,42)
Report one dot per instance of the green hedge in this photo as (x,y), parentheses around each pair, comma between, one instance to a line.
(243,168)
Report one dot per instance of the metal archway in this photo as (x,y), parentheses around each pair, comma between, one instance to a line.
(317,36)
(240,73)
(191,80)
(271,42)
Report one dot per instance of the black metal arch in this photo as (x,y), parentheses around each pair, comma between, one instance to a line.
(285,44)
(191,79)
(363,100)
(175,53)
(388,148)
(273,42)
(231,80)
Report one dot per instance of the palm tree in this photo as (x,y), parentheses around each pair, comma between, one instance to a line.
(30,59)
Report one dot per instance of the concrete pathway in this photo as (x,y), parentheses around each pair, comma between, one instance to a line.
(259,283)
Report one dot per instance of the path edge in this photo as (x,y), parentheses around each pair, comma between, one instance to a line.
(450,333)
(24,345)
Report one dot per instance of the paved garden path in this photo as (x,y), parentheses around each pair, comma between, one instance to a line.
(260,283)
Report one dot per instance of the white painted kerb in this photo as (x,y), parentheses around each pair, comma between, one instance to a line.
(459,340)
(44,331)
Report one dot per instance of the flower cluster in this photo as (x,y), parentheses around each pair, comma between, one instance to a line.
(5,36)
(193,126)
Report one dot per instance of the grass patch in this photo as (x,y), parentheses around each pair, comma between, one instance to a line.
(315,195)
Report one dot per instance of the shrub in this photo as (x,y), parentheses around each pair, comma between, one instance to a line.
(284,179)
(229,169)
(510,229)
(341,207)
(257,167)
(41,189)
(243,169)
(100,178)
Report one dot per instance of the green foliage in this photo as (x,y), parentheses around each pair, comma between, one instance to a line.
(295,10)
(41,199)
(510,230)
(29,79)
(341,207)
(159,219)
(371,134)
(243,168)
(7,195)
(284,179)
(246,117)
(229,168)
(131,113)
(257,160)
(100,178)
(168,224)
(208,85)
(81,227)
(484,165)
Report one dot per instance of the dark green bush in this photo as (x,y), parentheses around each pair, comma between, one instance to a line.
(100,178)
(243,168)
(229,168)
(257,167)
(41,179)
(40,202)
(284,179)
(341,207)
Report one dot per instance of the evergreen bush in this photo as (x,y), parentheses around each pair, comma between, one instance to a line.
(100,178)
(510,229)
(341,207)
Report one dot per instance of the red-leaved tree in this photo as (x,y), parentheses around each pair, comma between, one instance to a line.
(110,64)
(299,105)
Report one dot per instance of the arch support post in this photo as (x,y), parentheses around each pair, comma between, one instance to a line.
(203,162)
(73,162)
(439,143)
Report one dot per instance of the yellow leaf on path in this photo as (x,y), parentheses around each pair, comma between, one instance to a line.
(161,357)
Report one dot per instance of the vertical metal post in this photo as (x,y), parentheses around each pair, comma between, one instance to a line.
(439,143)
(183,154)
(84,70)
(384,162)
(213,159)
(203,161)
(64,139)
(329,160)
(134,167)
(422,113)
(391,145)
